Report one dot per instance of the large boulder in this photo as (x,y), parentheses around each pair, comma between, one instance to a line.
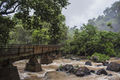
(82,71)
(67,68)
(88,63)
(101,71)
(113,67)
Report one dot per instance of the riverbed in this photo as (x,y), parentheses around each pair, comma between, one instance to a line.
(49,71)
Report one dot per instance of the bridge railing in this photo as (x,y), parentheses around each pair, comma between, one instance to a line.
(15,50)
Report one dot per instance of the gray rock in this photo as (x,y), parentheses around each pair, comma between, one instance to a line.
(113,67)
(82,71)
(101,71)
(88,63)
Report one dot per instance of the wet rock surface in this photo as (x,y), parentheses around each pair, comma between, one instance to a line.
(82,71)
(88,63)
(113,67)
(101,71)
(67,68)
(105,63)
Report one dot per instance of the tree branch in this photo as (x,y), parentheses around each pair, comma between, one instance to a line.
(8,7)
(9,12)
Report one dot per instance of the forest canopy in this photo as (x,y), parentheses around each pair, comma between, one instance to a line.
(30,15)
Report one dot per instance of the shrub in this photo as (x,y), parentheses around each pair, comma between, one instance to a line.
(100,57)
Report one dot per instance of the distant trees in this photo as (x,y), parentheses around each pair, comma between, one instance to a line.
(111,15)
(90,40)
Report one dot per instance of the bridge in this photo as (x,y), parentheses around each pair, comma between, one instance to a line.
(12,53)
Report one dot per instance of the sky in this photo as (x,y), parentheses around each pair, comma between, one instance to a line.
(80,11)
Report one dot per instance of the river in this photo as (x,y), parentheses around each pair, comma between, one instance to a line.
(49,71)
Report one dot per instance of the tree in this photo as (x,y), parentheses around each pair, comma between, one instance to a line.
(32,12)
(41,36)
(58,30)
(6,24)
(46,10)
(19,35)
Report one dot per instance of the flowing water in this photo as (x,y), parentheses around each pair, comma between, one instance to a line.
(49,71)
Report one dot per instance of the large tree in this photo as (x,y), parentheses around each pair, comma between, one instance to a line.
(31,12)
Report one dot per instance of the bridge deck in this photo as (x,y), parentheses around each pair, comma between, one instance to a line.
(17,51)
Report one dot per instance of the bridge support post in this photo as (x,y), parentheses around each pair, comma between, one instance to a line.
(8,72)
(58,54)
(33,65)
(46,59)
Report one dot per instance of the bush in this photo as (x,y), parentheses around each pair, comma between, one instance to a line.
(100,57)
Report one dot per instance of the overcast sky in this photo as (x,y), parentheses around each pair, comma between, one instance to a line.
(80,11)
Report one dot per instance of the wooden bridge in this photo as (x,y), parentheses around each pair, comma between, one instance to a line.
(12,53)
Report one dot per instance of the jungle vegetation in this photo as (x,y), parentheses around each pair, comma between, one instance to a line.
(42,22)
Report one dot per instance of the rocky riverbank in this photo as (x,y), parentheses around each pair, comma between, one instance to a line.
(49,71)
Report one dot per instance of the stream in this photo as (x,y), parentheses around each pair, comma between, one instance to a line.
(49,71)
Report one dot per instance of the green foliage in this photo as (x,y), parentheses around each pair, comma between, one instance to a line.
(41,36)
(30,15)
(100,57)
(89,40)
(6,24)
(19,35)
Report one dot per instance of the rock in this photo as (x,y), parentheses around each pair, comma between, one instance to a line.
(82,71)
(113,67)
(101,71)
(95,58)
(73,58)
(109,74)
(88,63)
(67,68)
(105,63)
(92,71)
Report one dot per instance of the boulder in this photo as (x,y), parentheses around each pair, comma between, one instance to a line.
(82,71)
(105,63)
(88,63)
(95,58)
(110,75)
(92,71)
(113,67)
(67,68)
(101,71)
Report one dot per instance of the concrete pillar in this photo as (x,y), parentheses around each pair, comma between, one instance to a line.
(33,65)
(59,54)
(8,72)
(46,59)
